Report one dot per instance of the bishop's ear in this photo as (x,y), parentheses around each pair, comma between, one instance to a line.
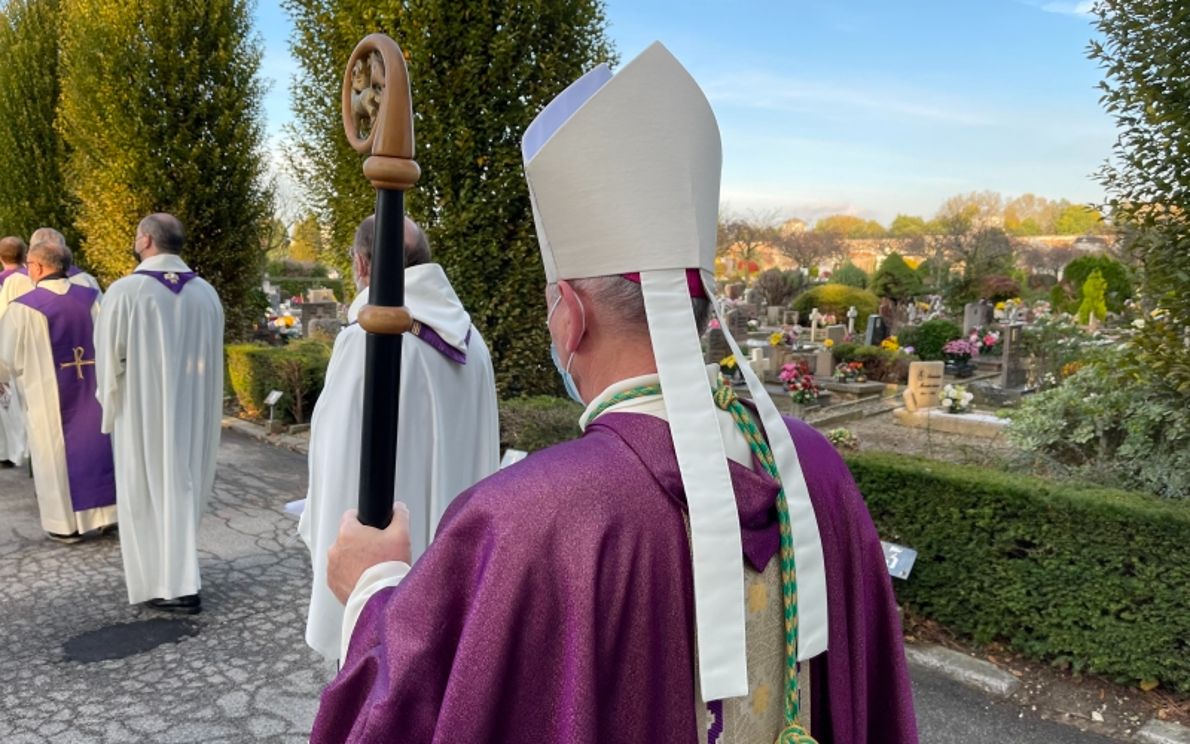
(570,319)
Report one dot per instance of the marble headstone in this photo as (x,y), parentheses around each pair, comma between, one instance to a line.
(925,385)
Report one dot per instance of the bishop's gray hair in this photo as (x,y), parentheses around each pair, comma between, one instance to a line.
(624,301)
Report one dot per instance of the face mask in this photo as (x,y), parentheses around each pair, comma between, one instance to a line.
(567,378)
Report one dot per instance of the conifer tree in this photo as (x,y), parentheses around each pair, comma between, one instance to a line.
(161,109)
(480,71)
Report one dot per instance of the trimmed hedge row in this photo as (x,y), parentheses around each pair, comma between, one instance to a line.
(297,369)
(294,286)
(1092,578)
(537,422)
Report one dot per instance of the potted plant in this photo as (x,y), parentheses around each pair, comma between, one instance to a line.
(800,384)
(959,353)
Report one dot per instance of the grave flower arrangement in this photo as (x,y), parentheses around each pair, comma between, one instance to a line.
(729,368)
(890,344)
(956,399)
(843,439)
(848,371)
(799,382)
(988,341)
(960,349)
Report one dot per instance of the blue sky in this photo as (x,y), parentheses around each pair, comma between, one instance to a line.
(867,107)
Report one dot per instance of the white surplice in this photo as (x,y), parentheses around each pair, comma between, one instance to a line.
(159,361)
(448,433)
(14,445)
(27,362)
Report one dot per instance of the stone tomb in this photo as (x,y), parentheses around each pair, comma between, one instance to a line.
(877,330)
(836,333)
(1013,373)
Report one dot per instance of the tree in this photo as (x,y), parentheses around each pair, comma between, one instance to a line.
(895,279)
(1029,214)
(275,239)
(306,245)
(1093,302)
(850,275)
(849,227)
(161,108)
(905,226)
(1146,83)
(32,191)
(778,286)
(975,210)
(1117,282)
(985,252)
(809,249)
(479,73)
(1077,219)
(742,237)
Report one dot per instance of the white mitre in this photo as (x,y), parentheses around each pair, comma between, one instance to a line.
(623,175)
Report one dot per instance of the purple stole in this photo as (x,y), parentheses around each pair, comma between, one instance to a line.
(89,466)
(431,337)
(73,271)
(174,281)
(9,272)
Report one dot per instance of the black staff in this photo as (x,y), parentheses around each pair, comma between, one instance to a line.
(378,118)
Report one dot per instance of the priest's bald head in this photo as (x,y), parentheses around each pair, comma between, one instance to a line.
(157,234)
(12,252)
(48,255)
(417,249)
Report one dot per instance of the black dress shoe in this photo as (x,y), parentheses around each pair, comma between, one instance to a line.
(70,539)
(187,605)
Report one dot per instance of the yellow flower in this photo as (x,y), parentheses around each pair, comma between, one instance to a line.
(890,343)
(1000,305)
(728,361)
(828,343)
(776,338)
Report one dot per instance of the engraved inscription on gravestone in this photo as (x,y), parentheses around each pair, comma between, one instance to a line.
(925,385)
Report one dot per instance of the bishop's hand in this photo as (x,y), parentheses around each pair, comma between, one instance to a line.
(360,547)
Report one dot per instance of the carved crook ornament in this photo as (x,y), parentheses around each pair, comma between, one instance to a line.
(378,112)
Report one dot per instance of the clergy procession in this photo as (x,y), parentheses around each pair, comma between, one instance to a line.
(695,567)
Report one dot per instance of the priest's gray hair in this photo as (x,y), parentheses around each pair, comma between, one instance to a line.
(12,250)
(165,231)
(52,254)
(365,239)
(46,236)
(624,301)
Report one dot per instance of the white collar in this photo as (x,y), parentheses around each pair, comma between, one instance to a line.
(163,262)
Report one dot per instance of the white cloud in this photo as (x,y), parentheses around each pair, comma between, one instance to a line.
(1082,8)
(760,89)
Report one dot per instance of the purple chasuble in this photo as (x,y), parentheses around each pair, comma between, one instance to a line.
(89,465)
(9,272)
(556,605)
(174,281)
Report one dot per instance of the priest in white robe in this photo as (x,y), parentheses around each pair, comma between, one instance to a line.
(46,354)
(13,445)
(448,432)
(159,355)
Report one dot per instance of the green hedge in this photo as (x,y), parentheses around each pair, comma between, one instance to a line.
(537,422)
(1080,576)
(837,299)
(298,370)
(290,286)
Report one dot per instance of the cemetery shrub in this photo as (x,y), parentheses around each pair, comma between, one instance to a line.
(836,299)
(850,275)
(1112,423)
(298,370)
(880,365)
(479,73)
(1081,576)
(1093,302)
(896,279)
(779,287)
(1118,285)
(997,287)
(537,422)
(928,338)
(1054,342)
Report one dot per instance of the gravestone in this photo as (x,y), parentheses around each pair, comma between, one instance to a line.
(1013,373)
(877,331)
(815,330)
(836,334)
(754,297)
(972,317)
(320,294)
(314,311)
(717,348)
(852,314)
(925,385)
(989,313)
(322,329)
(824,364)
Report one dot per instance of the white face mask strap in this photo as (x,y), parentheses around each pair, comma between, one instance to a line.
(807,541)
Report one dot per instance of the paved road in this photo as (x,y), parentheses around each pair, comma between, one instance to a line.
(78,664)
